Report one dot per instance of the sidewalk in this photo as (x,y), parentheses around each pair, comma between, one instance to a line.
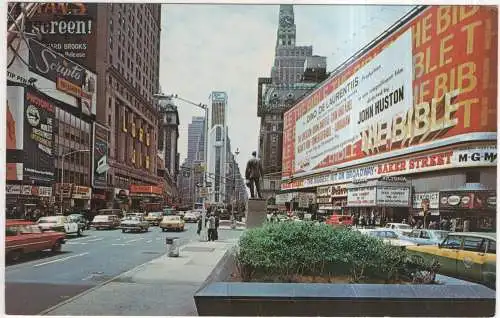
(162,287)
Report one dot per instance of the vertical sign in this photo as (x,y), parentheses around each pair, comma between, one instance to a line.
(38,137)
(14,132)
(99,156)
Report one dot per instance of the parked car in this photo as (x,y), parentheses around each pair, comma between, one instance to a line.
(22,237)
(82,222)
(339,220)
(466,255)
(59,223)
(390,237)
(401,228)
(172,222)
(26,236)
(134,224)
(190,217)
(426,237)
(154,218)
(109,221)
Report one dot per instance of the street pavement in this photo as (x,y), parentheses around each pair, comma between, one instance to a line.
(38,283)
(164,286)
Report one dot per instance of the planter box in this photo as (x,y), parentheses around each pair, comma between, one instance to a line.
(453,298)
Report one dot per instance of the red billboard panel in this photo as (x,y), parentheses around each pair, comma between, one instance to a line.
(429,84)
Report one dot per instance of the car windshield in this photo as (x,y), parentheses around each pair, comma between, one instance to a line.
(132,218)
(49,219)
(101,218)
(403,226)
(154,214)
(171,218)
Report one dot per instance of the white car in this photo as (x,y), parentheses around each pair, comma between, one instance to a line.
(389,236)
(401,228)
(59,223)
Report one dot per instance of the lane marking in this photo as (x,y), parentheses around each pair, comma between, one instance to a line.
(76,243)
(61,259)
(149,241)
(119,244)
(134,240)
(118,239)
(158,238)
(82,238)
(96,239)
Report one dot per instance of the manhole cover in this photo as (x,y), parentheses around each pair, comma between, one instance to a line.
(151,252)
(198,249)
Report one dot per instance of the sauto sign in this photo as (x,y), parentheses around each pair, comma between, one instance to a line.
(427,82)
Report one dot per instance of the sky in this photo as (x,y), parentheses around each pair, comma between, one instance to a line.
(221,47)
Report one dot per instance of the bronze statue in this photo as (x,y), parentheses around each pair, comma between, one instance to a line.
(253,173)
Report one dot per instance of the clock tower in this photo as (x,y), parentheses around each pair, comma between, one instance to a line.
(286,27)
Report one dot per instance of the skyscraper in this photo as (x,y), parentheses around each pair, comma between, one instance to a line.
(278,93)
(217,145)
(196,135)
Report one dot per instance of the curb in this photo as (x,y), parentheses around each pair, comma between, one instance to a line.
(85,292)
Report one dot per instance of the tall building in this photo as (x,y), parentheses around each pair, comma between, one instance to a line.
(196,137)
(217,146)
(295,72)
(128,54)
(168,136)
(190,173)
(218,101)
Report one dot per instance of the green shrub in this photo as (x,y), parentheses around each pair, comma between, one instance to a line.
(285,249)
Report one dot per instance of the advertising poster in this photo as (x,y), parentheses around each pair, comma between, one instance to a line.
(63,79)
(426,85)
(15,133)
(38,142)
(100,157)
(431,197)
(364,196)
(68,28)
(391,196)
(452,200)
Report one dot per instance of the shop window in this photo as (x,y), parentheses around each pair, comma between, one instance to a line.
(472,177)
(474,244)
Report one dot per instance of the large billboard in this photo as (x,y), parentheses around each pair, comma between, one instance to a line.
(68,28)
(39,115)
(55,75)
(15,133)
(427,85)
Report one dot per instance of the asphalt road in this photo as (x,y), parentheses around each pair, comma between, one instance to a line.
(43,280)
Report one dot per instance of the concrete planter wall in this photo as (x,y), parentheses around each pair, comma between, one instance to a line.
(454,298)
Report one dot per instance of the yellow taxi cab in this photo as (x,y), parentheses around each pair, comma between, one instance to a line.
(172,222)
(466,255)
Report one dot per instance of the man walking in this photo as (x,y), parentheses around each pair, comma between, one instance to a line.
(211,227)
(253,173)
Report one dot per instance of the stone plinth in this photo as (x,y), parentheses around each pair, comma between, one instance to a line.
(256,213)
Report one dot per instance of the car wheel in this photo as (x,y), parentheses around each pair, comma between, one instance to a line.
(15,255)
(79,232)
(163,230)
(123,230)
(182,229)
(56,248)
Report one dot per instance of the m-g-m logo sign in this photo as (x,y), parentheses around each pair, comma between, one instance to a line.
(478,155)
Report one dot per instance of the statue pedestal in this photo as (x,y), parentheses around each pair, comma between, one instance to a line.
(256,213)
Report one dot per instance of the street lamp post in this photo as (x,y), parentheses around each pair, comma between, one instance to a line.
(204,232)
(233,225)
(62,174)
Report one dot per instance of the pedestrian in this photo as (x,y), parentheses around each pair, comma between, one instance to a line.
(216,231)
(466,225)
(211,227)
(199,226)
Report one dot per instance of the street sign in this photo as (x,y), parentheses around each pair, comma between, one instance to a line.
(203,192)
